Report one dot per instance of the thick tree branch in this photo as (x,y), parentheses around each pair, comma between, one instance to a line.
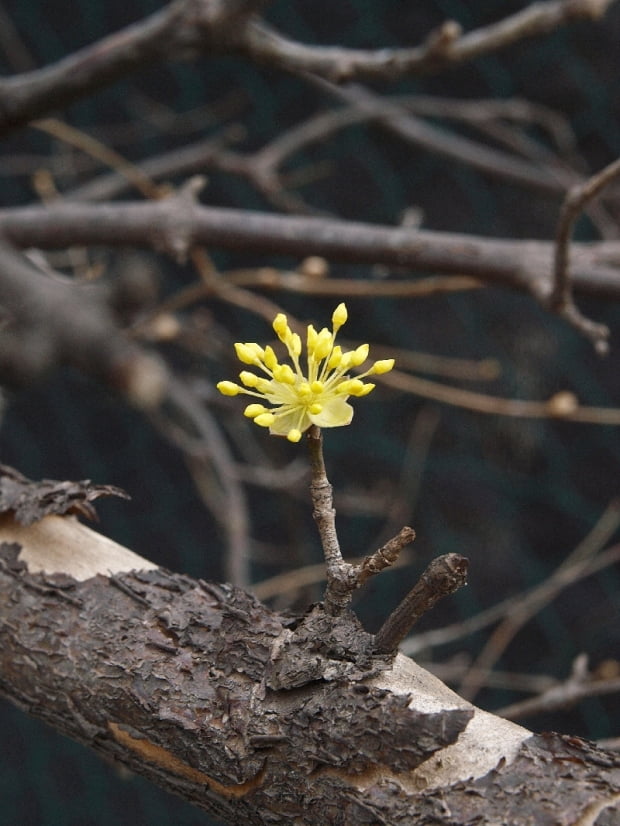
(254,716)
(176,223)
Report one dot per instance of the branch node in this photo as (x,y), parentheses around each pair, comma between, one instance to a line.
(441,39)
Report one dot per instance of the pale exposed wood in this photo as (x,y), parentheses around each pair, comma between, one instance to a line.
(61,544)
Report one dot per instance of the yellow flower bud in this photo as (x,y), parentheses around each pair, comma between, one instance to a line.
(292,435)
(264,419)
(247,353)
(228,388)
(263,385)
(336,358)
(294,345)
(346,360)
(311,338)
(270,359)
(283,373)
(381,366)
(324,344)
(253,410)
(351,387)
(339,316)
(249,379)
(280,325)
(360,355)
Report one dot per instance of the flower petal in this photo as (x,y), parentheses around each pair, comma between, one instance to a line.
(283,423)
(335,413)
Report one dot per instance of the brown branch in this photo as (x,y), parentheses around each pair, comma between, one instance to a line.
(279,584)
(386,555)
(443,577)
(52,321)
(542,170)
(180,30)
(561,298)
(562,405)
(188,683)
(343,578)
(580,685)
(182,160)
(178,222)
(438,141)
(444,47)
(184,29)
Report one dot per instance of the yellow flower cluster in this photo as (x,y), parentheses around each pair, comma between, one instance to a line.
(299,400)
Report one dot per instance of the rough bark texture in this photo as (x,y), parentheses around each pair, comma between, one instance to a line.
(208,687)
(30,502)
(261,718)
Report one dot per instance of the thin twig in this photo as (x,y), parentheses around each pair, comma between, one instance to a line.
(443,47)
(223,490)
(533,602)
(126,170)
(343,578)
(445,575)
(561,299)
(385,556)
(438,141)
(564,406)
(598,536)
(580,685)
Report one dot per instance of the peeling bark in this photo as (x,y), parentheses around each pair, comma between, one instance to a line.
(30,501)
(206,689)
(258,717)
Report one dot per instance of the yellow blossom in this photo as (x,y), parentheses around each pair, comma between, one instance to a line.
(299,399)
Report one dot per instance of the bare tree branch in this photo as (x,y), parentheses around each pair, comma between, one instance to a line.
(185,28)
(414,130)
(580,684)
(51,320)
(561,298)
(446,46)
(176,223)
(180,30)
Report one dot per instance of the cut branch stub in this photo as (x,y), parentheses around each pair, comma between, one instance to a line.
(442,577)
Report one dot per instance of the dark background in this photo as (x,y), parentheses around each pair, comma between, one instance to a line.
(515,496)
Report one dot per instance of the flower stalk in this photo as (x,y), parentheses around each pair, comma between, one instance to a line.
(305,395)
(341,576)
